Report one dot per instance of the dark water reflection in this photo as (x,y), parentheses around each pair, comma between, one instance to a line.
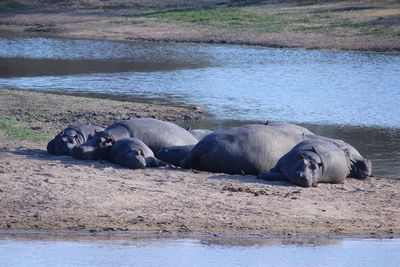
(112,251)
(351,96)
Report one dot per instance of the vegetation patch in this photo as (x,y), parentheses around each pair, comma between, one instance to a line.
(225,18)
(17,130)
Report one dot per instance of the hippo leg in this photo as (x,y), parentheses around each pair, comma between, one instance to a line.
(51,147)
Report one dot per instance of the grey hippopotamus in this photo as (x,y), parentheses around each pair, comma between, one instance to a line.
(174,154)
(360,167)
(134,154)
(154,133)
(72,136)
(311,162)
(248,149)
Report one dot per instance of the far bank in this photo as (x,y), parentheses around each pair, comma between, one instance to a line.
(337,25)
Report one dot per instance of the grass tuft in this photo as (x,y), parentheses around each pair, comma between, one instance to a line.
(17,130)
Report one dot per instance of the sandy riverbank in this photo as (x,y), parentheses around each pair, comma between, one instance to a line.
(43,192)
(339,25)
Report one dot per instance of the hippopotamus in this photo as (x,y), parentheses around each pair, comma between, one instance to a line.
(248,149)
(311,162)
(360,167)
(154,133)
(134,154)
(199,133)
(72,136)
(174,154)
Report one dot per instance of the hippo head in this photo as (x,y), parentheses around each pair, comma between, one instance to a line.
(98,147)
(361,168)
(306,169)
(64,142)
(135,159)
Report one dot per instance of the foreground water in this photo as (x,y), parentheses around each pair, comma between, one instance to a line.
(112,251)
(353,96)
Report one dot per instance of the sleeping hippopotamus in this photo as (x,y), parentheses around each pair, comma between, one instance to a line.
(361,167)
(154,133)
(174,154)
(72,136)
(134,154)
(248,149)
(311,162)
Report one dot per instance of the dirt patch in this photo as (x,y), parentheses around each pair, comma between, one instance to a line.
(43,192)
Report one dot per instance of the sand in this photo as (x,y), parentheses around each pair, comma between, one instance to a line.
(44,192)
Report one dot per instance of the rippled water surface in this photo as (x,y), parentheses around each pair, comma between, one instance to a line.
(348,95)
(199,252)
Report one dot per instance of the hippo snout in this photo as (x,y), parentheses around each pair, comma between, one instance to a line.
(136,162)
(364,169)
(301,178)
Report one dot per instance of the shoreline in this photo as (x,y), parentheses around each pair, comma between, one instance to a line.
(137,235)
(44,192)
(372,26)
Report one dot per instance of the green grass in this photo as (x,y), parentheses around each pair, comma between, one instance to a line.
(225,18)
(12,5)
(17,130)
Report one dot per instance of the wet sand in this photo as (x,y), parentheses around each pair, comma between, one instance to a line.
(43,192)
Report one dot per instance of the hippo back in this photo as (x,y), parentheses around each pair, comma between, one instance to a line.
(248,149)
(156,133)
(290,128)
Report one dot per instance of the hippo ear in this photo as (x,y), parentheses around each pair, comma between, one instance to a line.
(60,133)
(267,123)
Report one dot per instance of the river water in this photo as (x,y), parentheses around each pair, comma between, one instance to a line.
(72,250)
(346,95)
